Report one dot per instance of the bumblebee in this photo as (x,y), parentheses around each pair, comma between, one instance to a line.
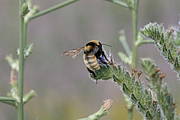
(94,56)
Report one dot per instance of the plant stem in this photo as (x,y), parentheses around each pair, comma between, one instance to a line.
(142,42)
(7,99)
(53,8)
(135,33)
(123,4)
(22,41)
(25,26)
(134,50)
(21,74)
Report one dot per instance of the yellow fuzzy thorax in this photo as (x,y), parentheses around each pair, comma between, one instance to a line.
(95,41)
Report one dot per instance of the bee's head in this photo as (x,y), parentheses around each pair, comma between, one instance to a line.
(92,47)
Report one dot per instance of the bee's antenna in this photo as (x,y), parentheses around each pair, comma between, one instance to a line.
(106,45)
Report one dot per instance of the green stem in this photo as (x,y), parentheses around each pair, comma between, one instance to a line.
(142,42)
(123,4)
(7,99)
(21,73)
(22,42)
(135,33)
(25,26)
(135,47)
(53,8)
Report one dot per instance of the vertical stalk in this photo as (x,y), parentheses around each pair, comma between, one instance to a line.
(22,40)
(25,26)
(134,49)
(21,71)
(135,32)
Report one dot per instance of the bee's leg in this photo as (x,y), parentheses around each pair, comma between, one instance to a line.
(92,73)
(103,54)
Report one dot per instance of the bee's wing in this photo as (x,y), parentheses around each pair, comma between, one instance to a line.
(73,53)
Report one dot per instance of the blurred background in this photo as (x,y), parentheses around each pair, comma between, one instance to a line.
(65,91)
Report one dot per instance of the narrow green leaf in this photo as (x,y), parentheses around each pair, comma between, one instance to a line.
(125,58)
